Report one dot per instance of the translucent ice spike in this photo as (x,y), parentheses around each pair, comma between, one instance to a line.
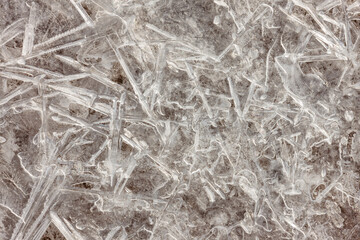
(210,194)
(41,229)
(102,108)
(131,78)
(260,12)
(121,183)
(221,3)
(327,5)
(268,62)
(347,29)
(75,233)
(21,69)
(115,139)
(21,60)
(45,71)
(61,35)
(17,92)
(161,32)
(329,19)
(310,9)
(93,74)
(192,48)
(29,35)
(352,6)
(239,26)
(51,198)
(192,76)
(293,225)
(317,58)
(57,48)
(18,77)
(225,51)
(83,13)
(160,64)
(62,112)
(105,5)
(235,98)
(112,233)
(249,97)
(68,78)
(39,193)
(56,220)
(12,31)
(102,148)
(76,94)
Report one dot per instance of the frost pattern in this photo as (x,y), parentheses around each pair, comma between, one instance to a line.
(179,119)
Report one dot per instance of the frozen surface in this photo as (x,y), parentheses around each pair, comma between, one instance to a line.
(179,119)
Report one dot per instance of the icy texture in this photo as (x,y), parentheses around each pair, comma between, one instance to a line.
(179,119)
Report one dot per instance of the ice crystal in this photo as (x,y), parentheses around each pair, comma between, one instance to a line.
(179,119)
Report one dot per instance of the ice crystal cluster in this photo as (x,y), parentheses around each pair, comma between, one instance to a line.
(179,119)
